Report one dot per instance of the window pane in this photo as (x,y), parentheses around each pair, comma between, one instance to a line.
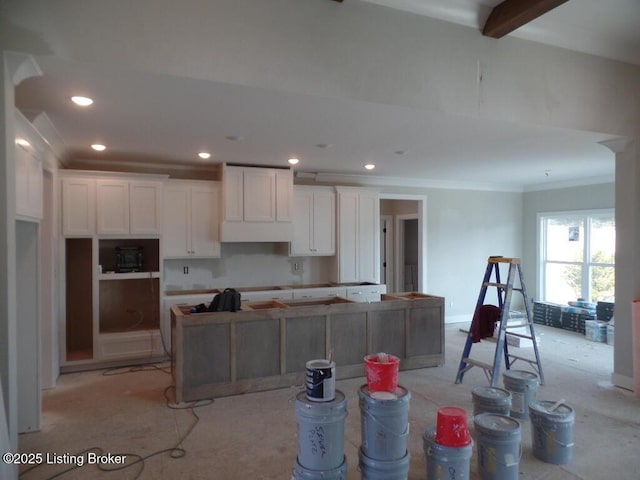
(565,239)
(562,282)
(603,240)
(602,284)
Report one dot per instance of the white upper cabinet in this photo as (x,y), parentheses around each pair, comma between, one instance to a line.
(129,207)
(358,251)
(257,204)
(78,206)
(145,207)
(313,221)
(191,219)
(29,148)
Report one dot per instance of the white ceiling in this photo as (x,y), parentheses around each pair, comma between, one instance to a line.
(166,118)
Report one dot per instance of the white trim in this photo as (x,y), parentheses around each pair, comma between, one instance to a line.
(582,182)
(422,232)
(464,318)
(389,252)
(399,273)
(622,381)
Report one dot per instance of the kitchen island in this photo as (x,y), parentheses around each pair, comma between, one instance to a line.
(267,344)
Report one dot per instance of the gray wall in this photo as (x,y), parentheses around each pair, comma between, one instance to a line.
(588,197)
(464,228)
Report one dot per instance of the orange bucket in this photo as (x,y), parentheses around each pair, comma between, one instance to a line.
(382,372)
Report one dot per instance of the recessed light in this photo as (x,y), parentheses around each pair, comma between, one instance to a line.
(99,147)
(22,142)
(204,155)
(82,101)
(293,161)
(369,166)
(234,138)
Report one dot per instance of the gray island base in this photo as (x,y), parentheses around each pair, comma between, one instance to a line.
(266,345)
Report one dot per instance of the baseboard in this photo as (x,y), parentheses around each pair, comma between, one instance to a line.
(458,318)
(622,381)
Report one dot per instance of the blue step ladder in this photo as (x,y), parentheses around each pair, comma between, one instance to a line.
(504,293)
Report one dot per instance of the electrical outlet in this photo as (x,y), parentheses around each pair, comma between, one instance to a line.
(296,266)
(185,270)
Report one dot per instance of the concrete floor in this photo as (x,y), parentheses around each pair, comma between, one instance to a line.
(253,436)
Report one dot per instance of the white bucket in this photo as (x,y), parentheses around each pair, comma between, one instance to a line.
(499,446)
(491,400)
(523,387)
(384,470)
(384,423)
(321,380)
(301,473)
(552,431)
(321,432)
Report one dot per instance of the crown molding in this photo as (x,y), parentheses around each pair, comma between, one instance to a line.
(582,182)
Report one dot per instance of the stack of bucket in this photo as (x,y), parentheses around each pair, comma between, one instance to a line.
(448,447)
(320,413)
(384,409)
(498,413)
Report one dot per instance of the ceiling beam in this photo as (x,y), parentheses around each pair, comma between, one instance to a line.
(512,14)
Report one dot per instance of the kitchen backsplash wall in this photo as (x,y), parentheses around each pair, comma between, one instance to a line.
(246,265)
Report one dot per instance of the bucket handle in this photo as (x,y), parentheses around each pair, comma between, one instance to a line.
(403,434)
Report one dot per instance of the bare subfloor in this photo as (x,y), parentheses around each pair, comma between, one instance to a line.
(253,436)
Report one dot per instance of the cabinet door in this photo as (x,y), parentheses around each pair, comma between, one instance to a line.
(368,240)
(177,221)
(78,206)
(348,237)
(232,202)
(324,223)
(205,237)
(145,207)
(301,243)
(259,195)
(113,206)
(284,195)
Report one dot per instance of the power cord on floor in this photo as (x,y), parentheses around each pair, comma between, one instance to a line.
(136,368)
(177,451)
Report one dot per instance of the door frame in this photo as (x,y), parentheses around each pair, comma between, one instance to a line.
(422,232)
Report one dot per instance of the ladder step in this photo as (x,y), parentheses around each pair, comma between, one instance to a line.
(478,363)
(493,284)
(514,334)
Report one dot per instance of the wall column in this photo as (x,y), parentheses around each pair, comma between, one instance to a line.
(627,254)
(14,68)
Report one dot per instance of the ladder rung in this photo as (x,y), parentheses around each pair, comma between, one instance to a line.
(514,334)
(517,325)
(528,360)
(493,284)
(478,363)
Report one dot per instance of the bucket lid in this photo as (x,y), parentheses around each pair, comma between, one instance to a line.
(498,425)
(400,393)
(491,392)
(521,375)
(561,412)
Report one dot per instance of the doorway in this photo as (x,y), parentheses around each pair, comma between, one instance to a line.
(403,242)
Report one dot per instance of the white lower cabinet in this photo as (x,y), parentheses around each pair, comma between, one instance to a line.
(319,292)
(261,295)
(365,293)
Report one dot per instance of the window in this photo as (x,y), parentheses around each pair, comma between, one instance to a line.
(577,252)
